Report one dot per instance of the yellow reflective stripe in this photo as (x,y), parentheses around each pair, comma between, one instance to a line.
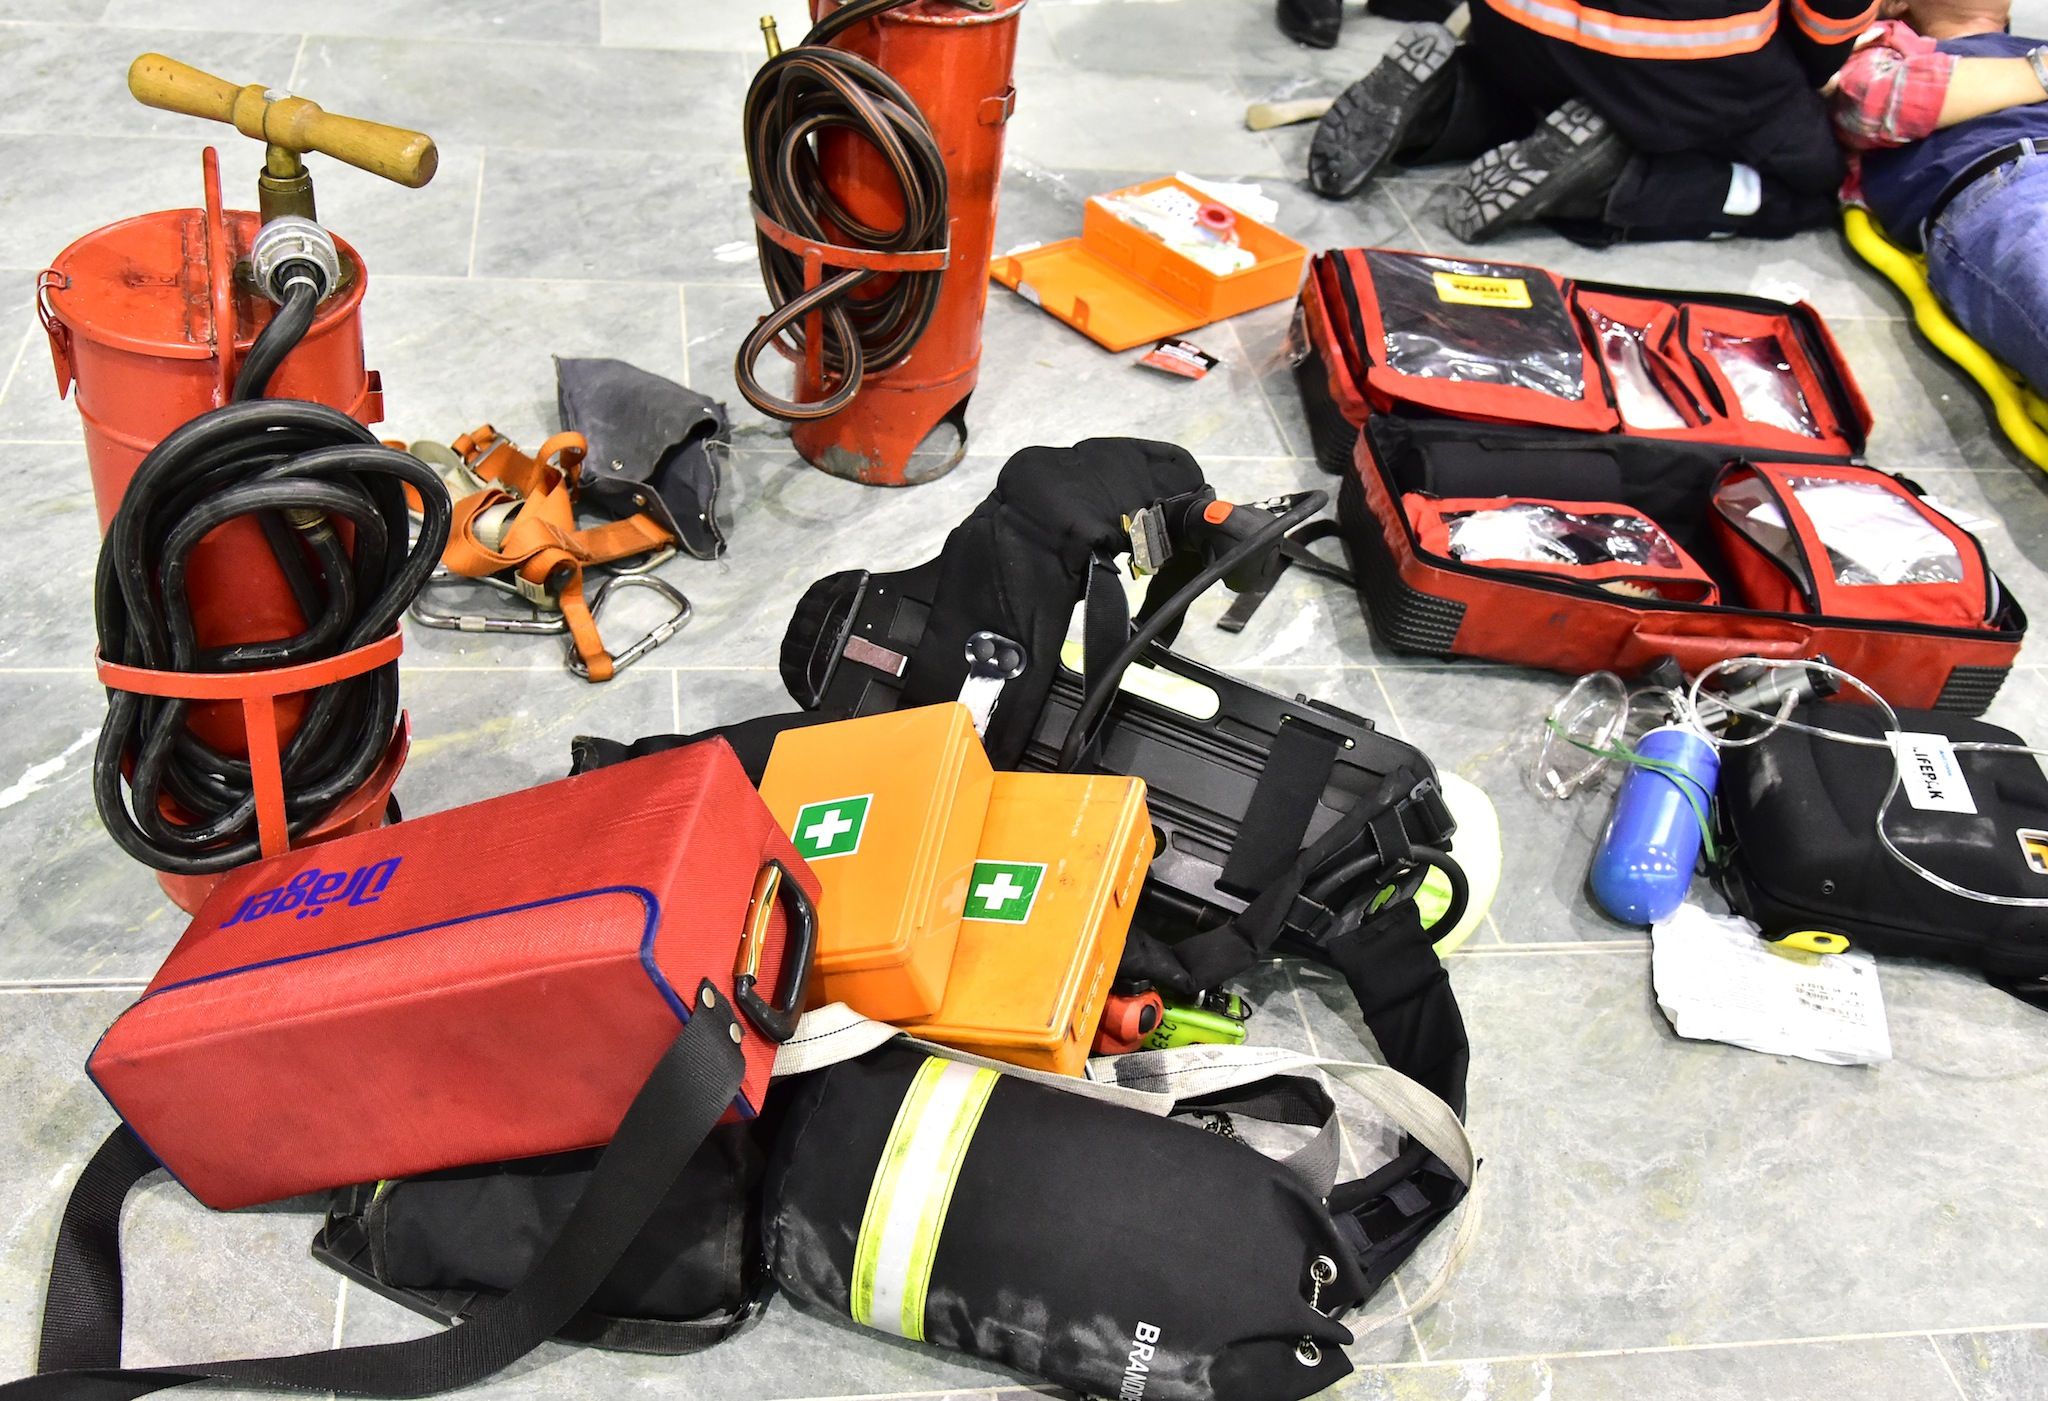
(1632,36)
(911,1191)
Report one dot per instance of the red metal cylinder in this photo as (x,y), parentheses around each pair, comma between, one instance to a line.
(955,61)
(146,318)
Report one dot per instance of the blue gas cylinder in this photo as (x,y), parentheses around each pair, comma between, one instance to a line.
(1644,864)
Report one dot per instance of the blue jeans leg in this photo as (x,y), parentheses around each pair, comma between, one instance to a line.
(1987,259)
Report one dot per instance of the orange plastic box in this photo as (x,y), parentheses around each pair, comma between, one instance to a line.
(1062,858)
(1121,286)
(888,811)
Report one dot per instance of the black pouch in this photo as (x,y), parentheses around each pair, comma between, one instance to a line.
(1101,1248)
(655,446)
(442,1243)
(1799,814)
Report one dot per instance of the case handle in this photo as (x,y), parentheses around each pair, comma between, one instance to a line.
(773,886)
(1695,653)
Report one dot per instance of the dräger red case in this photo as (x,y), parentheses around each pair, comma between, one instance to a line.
(487,983)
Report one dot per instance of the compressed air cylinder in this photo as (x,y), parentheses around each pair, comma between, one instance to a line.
(1644,863)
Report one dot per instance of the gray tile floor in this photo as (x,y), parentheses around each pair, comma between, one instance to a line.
(1666,1219)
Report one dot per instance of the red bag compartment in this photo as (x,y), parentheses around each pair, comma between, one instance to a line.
(1426,603)
(1847,542)
(1599,544)
(487,983)
(1648,375)
(1760,374)
(1478,340)
(1399,332)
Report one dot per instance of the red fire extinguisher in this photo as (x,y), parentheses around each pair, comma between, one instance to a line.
(875,149)
(244,578)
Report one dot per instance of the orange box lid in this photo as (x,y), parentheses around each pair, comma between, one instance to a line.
(1122,286)
(868,803)
(1062,859)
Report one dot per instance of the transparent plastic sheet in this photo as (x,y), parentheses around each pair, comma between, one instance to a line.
(1764,383)
(1173,216)
(1748,505)
(1534,532)
(1642,402)
(1872,534)
(1478,323)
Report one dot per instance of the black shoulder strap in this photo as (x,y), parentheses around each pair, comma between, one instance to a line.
(685,1096)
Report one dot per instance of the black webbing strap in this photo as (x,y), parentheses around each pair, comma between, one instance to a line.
(1293,549)
(1405,997)
(1228,950)
(685,1096)
(1275,824)
(1105,628)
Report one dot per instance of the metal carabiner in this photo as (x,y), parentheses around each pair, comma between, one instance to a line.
(541,623)
(654,637)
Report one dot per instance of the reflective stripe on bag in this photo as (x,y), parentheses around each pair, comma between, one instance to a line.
(913,1186)
(1633,36)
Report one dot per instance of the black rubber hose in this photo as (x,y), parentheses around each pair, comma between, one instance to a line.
(799,97)
(296,468)
(1098,690)
(279,338)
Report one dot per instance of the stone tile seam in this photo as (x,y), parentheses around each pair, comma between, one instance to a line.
(495,41)
(1948,1369)
(1730,1345)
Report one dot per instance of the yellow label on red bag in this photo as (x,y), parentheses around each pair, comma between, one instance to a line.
(1467,289)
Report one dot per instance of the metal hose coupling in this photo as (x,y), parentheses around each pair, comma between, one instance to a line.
(291,249)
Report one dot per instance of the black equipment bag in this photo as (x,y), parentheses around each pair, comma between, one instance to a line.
(1285,822)
(1102,1248)
(1258,803)
(1799,814)
(444,1243)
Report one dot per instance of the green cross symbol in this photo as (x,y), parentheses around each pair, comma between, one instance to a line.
(830,828)
(1004,891)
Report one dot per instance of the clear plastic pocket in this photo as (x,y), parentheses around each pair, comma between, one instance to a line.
(1767,389)
(1849,542)
(1638,396)
(1599,543)
(1476,323)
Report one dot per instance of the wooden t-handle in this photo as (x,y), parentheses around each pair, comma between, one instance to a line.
(408,157)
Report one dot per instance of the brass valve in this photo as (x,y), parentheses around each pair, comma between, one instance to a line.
(289,126)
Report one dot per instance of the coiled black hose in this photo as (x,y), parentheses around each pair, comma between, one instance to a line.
(295,467)
(797,96)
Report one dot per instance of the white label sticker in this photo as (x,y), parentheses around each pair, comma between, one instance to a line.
(1929,774)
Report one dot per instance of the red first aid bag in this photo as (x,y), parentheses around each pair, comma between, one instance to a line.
(1447,379)
(488,983)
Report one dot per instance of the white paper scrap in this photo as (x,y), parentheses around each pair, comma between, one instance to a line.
(1717,981)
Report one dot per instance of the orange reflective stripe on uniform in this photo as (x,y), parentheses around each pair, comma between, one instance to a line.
(1633,36)
(1827,29)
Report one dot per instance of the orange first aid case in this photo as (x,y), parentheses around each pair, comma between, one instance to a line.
(1062,859)
(888,811)
(1121,286)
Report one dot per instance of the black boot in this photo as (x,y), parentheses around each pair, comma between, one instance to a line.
(1377,116)
(1565,170)
(1312,22)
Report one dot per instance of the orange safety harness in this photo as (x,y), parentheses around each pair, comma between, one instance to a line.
(523,524)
